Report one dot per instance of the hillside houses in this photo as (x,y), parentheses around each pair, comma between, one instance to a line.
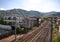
(27,22)
(18,21)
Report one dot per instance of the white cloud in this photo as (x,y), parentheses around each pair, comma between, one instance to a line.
(34,1)
(2,9)
(40,5)
(31,4)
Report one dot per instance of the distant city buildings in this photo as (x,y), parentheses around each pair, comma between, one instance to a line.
(27,22)
(18,21)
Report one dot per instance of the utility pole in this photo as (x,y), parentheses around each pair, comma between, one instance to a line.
(51,29)
(15,29)
(15,34)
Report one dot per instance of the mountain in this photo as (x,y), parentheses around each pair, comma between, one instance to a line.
(53,13)
(27,13)
(56,14)
(35,13)
(21,12)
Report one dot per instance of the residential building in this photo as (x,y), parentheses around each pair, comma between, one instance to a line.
(14,18)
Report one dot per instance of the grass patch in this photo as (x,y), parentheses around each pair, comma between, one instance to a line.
(55,34)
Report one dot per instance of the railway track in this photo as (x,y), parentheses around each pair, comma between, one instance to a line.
(42,35)
(39,35)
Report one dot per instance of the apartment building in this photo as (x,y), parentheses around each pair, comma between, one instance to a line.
(31,22)
(14,18)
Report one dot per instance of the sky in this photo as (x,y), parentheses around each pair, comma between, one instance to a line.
(38,5)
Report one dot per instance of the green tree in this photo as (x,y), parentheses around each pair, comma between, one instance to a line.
(9,23)
(1,21)
(20,30)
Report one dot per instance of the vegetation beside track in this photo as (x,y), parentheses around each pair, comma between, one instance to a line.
(55,33)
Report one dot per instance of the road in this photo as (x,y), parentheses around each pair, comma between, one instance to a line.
(41,34)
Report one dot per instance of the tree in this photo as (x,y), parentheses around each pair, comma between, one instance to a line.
(9,23)
(1,21)
(20,30)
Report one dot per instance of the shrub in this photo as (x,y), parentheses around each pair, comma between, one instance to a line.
(20,30)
